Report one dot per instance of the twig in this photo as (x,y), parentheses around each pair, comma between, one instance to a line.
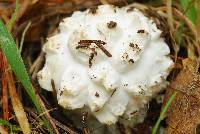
(169,15)
(103,49)
(23,36)
(84,123)
(64,127)
(37,63)
(98,43)
(48,115)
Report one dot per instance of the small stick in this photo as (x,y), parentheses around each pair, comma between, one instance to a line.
(91,41)
(84,123)
(98,43)
(47,114)
(113,92)
(104,50)
(141,31)
(83,45)
(64,127)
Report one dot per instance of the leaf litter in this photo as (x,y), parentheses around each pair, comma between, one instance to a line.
(183,115)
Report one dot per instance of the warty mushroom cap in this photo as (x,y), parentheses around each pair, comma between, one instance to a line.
(109,59)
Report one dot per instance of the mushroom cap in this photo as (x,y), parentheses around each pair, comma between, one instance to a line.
(109,59)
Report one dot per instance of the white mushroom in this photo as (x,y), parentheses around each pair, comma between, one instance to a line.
(111,60)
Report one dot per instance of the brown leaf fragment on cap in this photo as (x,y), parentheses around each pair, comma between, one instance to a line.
(111,24)
(85,45)
(141,31)
(135,47)
(92,55)
(131,60)
(97,94)
(183,115)
(93,10)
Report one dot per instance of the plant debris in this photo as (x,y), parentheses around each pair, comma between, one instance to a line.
(111,24)
(99,43)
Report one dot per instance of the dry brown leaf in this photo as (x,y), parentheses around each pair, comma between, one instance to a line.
(183,115)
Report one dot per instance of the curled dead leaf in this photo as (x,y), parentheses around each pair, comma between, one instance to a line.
(183,115)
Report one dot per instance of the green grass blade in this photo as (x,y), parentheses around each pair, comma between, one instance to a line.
(189,9)
(8,46)
(10,50)
(14,16)
(162,114)
(8,124)
(12,54)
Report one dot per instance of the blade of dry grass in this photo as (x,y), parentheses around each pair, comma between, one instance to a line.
(23,36)
(169,14)
(49,116)
(4,83)
(176,46)
(17,105)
